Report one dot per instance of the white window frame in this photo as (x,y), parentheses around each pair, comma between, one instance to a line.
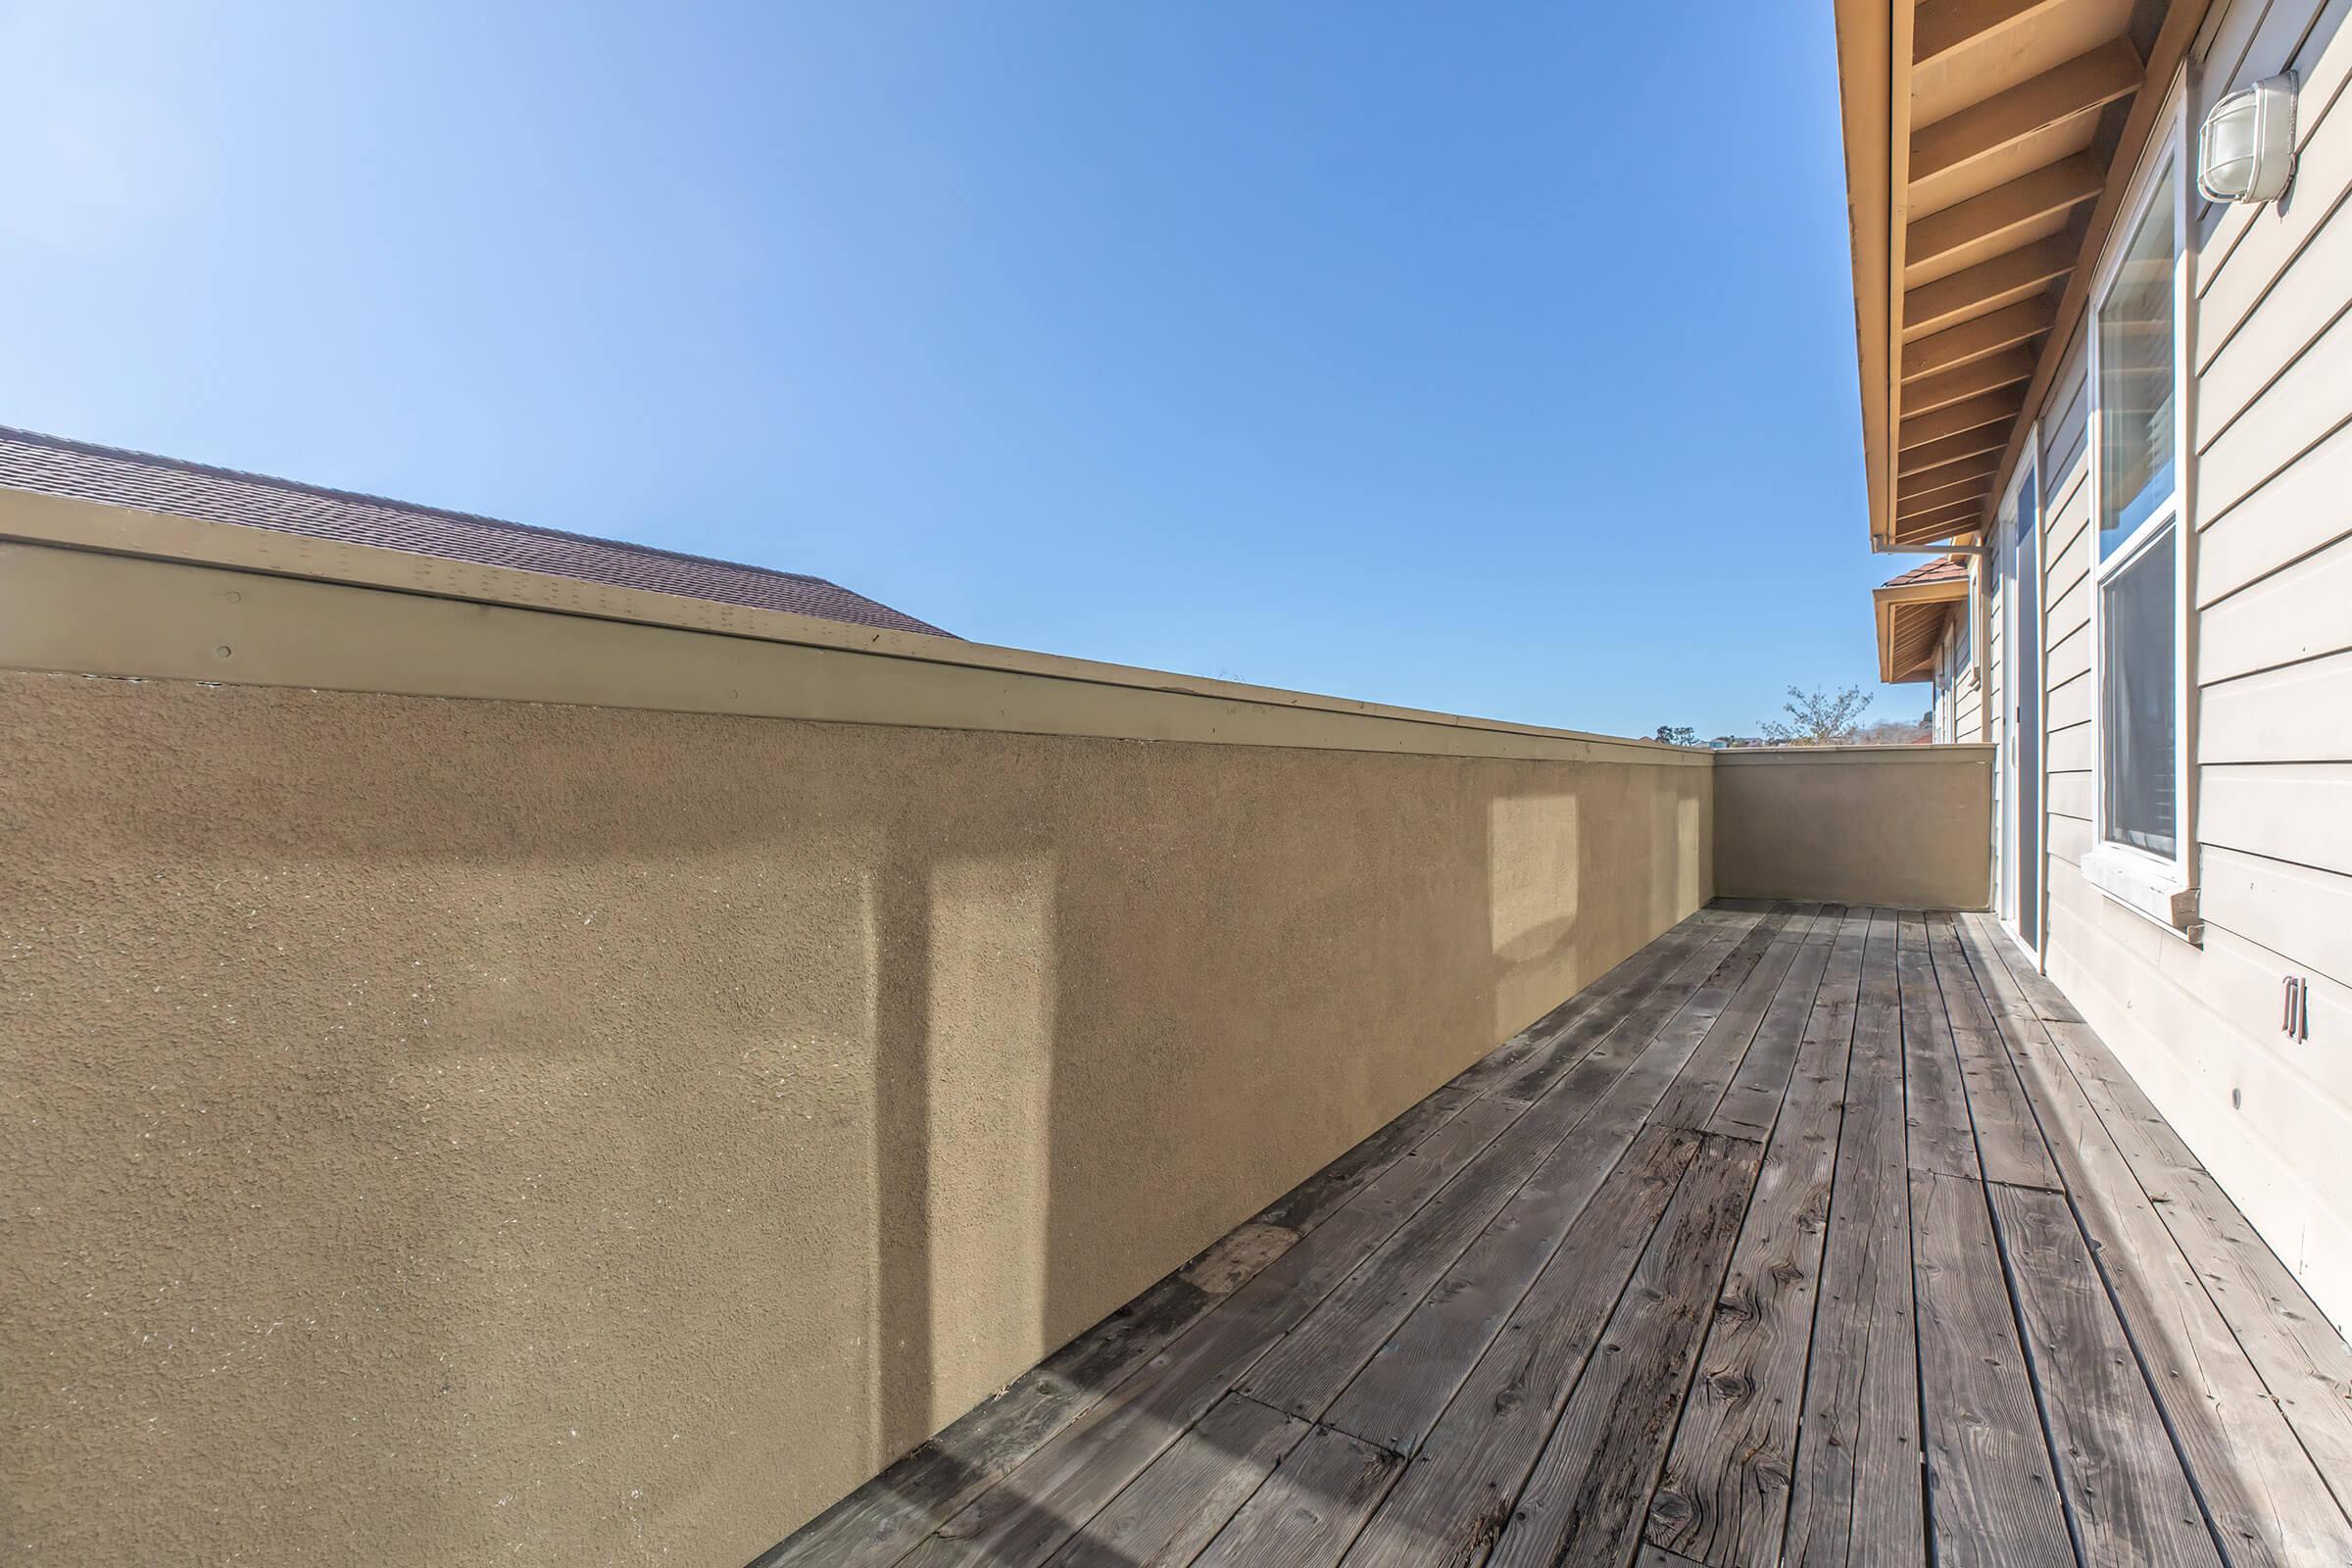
(2029,468)
(2149,884)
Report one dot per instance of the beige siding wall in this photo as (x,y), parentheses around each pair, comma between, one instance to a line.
(2270,503)
(467,1131)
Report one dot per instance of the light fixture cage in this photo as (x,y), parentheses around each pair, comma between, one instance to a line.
(2246,147)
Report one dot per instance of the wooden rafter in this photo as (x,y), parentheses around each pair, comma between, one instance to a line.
(1973,340)
(1988,374)
(2087,82)
(2180,28)
(1944,26)
(1989,285)
(1912,494)
(1989,408)
(1986,142)
(1940,523)
(1951,449)
(2005,210)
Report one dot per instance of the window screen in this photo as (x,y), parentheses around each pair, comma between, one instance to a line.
(2138,698)
(2136,379)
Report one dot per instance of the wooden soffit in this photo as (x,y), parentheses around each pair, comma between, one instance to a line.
(1987,143)
(1911,613)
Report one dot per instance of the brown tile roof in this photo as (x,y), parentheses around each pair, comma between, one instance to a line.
(49,466)
(1938,570)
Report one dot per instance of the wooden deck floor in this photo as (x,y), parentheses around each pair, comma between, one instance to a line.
(1806,1235)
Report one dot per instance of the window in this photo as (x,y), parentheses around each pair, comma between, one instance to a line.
(2140,570)
(2136,702)
(1964,620)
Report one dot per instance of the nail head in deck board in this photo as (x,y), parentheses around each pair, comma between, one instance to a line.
(1991,1498)
(2260,1485)
(1722,945)
(1752,1102)
(1656,1557)
(2009,1139)
(1607,1095)
(1589,1494)
(883,1520)
(1028,1514)
(1941,1136)
(1630,979)
(1456,1495)
(1184,1498)
(1855,1497)
(2301,1359)
(2132,1501)
(1314,1200)
(1723,1495)
(1310,1509)
(1315,1361)
(2139,1126)
(1724,1033)
(1398,1397)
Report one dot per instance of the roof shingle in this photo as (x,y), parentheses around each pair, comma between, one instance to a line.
(79,470)
(1938,570)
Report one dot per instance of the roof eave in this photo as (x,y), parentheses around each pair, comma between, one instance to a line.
(1868,104)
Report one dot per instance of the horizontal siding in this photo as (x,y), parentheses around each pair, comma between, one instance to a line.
(2301,711)
(2303,612)
(2322,71)
(2278,241)
(2197,1026)
(2069,841)
(2069,796)
(2301,913)
(2271,497)
(2069,658)
(2069,750)
(2298,813)
(2301,511)
(2293,415)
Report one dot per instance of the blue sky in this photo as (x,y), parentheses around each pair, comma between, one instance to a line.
(1495,359)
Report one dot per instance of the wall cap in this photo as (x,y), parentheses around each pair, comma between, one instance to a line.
(938,681)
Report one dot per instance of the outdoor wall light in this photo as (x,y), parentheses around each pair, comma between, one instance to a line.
(2246,147)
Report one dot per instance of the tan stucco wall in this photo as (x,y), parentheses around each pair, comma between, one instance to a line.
(1908,825)
(462,1131)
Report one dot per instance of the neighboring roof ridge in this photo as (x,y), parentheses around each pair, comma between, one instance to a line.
(88,471)
(364,498)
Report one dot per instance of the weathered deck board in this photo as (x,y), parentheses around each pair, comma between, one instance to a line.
(1457,1495)
(1589,1494)
(2260,1487)
(1309,1510)
(1077,1471)
(1752,1102)
(1671,1278)
(2130,1499)
(1164,1516)
(1699,1087)
(1612,1088)
(1942,1139)
(1397,1396)
(1715,944)
(2008,1137)
(1992,1497)
(1856,1495)
(1723,1498)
